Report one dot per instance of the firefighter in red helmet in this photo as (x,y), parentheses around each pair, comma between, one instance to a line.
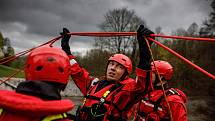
(38,98)
(107,99)
(153,106)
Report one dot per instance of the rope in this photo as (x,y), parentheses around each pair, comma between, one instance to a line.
(184,38)
(10,58)
(110,34)
(13,57)
(184,59)
(163,90)
(12,75)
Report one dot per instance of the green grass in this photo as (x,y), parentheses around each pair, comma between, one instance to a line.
(6,71)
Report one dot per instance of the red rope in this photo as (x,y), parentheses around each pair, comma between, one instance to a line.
(10,58)
(110,34)
(184,59)
(185,38)
(10,76)
(103,34)
(13,57)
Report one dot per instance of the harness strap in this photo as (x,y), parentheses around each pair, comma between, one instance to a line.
(156,104)
(55,117)
(104,96)
(101,100)
(96,98)
(169,92)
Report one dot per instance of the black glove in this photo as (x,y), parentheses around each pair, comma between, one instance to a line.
(65,41)
(141,32)
(144,53)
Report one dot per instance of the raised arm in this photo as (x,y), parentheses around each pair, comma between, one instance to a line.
(79,75)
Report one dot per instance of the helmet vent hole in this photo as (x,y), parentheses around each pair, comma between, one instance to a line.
(50,59)
(60,69)
(39,68)
(123,59)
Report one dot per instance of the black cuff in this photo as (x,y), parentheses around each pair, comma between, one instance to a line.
(65,46)
(144,58)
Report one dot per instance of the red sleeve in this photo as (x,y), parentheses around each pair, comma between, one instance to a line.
(179,112)
(141,78)
(80,76)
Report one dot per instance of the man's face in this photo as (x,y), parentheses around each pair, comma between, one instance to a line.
(114,71)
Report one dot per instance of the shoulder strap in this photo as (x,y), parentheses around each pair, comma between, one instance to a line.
(168,92)
(104,96)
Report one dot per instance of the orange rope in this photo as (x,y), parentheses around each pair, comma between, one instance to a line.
(12,75)
(163,90)
(105,34)
(110,34)
(184,59)
(10,58)
(13,57)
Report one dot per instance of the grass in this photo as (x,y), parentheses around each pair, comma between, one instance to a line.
(6,71)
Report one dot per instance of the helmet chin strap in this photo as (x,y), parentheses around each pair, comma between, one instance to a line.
(157,84)
(124,76)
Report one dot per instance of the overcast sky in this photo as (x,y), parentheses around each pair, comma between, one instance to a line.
(31,22)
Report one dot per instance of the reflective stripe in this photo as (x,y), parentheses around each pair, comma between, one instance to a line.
(1,110)
(106,93)
(151,105)
(94,81)
(136,79)
(172,91)
(55,117)
(102,100)
(72,62)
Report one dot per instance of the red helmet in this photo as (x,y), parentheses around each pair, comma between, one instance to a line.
(48,64)
(124,60)
(164,69)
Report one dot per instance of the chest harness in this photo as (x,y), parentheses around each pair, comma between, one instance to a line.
(97,110)
(156,104)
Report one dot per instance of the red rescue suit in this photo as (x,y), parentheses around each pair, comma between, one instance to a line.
(113,101)
(151,109)
(18,107)
(153,106)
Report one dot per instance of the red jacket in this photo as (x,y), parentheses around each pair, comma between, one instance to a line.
(117,103)
(153,106)
(19,107)
(146,110)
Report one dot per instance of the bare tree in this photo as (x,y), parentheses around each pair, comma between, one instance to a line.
(193,29)
(119,20)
